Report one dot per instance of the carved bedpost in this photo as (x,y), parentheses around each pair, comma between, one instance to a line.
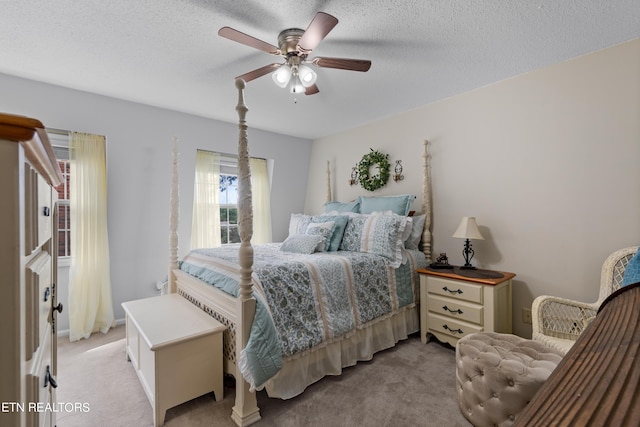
(174,211)
(426,203)
(328,181)
(245,411)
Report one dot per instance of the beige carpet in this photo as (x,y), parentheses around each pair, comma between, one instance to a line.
(409,385)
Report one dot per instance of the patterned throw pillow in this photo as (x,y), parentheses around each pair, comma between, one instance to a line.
(301,243)
(376,234)
(632,272)
(323,229)
(299,222)
(340,223)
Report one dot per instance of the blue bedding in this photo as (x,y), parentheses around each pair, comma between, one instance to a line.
(304,301)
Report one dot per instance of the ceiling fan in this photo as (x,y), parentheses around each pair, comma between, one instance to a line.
(295,45)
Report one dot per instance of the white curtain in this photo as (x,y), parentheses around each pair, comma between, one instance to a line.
(90,302)
(205,226)
(261,201)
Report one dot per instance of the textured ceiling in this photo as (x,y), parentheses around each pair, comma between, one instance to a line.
(167,53)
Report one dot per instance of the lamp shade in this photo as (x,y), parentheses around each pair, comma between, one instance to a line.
(468,229)
(307,76)
(281,76)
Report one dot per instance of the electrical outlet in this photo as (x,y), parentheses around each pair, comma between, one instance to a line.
(526,315)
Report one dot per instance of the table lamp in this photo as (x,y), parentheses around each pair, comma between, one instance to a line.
(468,229)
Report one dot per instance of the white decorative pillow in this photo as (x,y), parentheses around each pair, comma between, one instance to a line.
(301,243)
(323,229)
(298,223)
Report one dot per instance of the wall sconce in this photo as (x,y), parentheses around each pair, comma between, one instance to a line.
(398,171)
(354,176)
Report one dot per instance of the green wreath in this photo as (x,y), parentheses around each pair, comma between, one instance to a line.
(373,182)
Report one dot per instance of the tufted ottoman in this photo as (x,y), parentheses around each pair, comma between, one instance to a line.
(498,374)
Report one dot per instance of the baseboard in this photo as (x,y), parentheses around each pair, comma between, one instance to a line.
(65,332)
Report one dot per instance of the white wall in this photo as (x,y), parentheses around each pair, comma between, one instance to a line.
(139,166)
(547,161)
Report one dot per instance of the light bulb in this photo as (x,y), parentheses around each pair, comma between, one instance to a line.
(296,85)
(307,76)
(281,76)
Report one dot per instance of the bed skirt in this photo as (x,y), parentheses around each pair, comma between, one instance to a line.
(301,371)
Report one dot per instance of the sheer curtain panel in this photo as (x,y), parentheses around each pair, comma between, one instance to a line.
(205,226)
(261,201)
(90,301)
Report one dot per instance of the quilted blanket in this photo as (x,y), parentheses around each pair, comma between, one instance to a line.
(304,301)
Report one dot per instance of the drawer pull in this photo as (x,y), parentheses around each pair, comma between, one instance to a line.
(458,311)
(457,291)
(48,379)
(455,331)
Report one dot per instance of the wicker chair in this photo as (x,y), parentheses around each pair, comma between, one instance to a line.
(558,322)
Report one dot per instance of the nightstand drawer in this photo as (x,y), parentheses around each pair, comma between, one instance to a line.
(455,289)
(451,327)
(456,309)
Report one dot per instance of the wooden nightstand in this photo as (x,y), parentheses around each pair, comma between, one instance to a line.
(456,302)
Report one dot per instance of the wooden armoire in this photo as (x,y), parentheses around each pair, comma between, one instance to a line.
(28,262)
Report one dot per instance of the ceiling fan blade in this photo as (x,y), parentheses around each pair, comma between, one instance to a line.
(311,90)
(343,63)
(259,72)
(317,30)
(240,37)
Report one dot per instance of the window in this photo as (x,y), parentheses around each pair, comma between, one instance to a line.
(229,208)
(215,202)
(60,144)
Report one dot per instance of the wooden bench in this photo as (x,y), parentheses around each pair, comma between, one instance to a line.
(176,350)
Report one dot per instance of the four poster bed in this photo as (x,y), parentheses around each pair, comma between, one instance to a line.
(255,300)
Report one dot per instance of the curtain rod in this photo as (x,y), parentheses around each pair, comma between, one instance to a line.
(231,156)
(57,131)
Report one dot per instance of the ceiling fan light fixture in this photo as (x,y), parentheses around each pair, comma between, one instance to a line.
(282,76)
(308,77)
(294,46)
(296,85)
